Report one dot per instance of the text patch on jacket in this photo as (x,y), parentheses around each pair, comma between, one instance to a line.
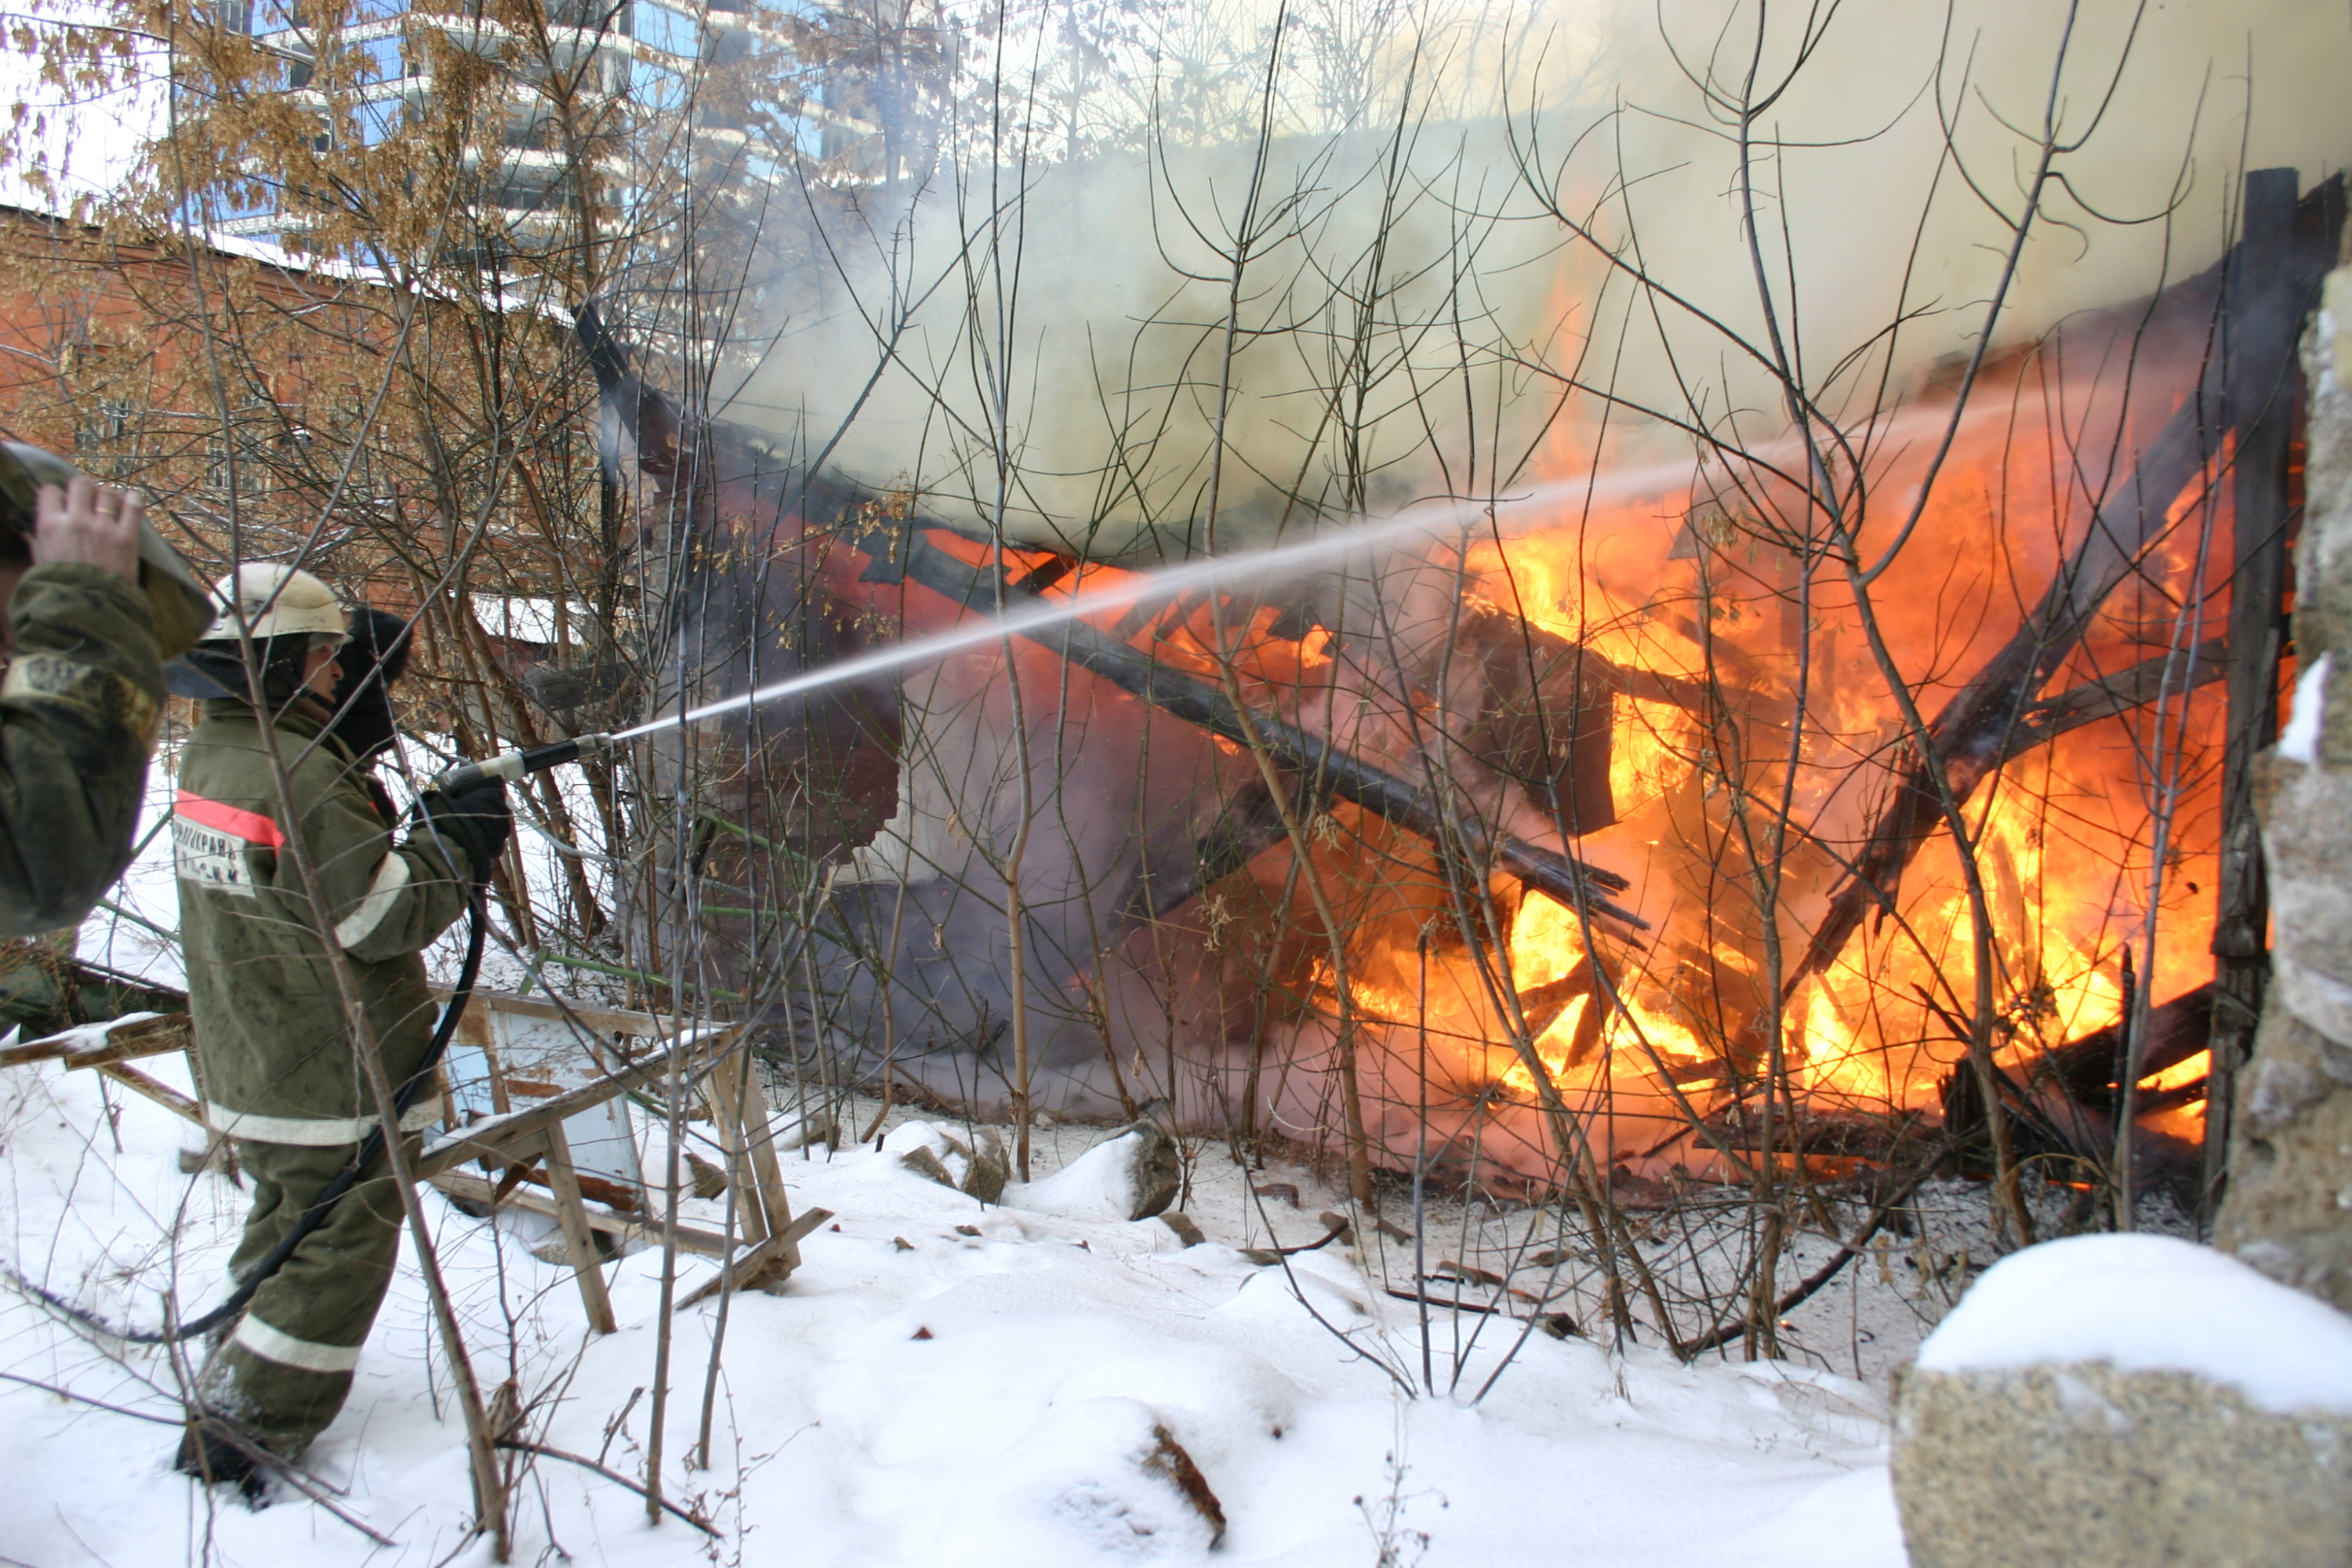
(210,841)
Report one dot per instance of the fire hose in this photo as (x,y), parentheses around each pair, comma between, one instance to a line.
(507,767)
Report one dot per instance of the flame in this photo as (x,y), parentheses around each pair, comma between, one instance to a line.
(2179,1074)
(1735,836)
(2061,868)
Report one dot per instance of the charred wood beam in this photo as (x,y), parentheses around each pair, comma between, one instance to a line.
(1972,735)
(1541,1006)
(2263,414)
(1250,824)
(2036,1127)
(629,411)
(2110,695)
(1832,1134)
(2086,1068)
(1324,766)
(2080,1075)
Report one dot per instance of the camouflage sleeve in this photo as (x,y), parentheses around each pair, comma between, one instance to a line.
(77,717)
(385,901)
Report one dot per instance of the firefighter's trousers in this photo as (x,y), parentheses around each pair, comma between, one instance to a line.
(286,1368)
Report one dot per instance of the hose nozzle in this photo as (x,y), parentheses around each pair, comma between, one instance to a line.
(509,766)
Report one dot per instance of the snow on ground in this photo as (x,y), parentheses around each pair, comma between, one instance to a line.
(140,940)
(941,1383)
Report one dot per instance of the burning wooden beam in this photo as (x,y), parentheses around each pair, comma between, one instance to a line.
(2109,695)
(2266,316)
(2090,1070)
(1324,765)
(1986,724)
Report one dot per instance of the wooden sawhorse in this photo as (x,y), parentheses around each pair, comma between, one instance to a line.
(517,1142)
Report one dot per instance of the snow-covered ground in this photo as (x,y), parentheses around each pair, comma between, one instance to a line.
(941,1383)
(946,1382)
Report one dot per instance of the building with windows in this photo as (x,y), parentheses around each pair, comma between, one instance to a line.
(633,108)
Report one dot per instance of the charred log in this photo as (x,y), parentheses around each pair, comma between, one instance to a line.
(2062,1104)
(1249,825)
(1835,1135)
(2121,692)
(1542,1006)
(1546,711)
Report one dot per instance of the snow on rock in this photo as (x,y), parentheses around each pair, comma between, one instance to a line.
(2110,1400)
(1131,1175)
(2150,1303)
(970,1162)
(943,1382)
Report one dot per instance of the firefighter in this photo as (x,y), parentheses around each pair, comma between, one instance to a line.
(96,602)
(280,1071)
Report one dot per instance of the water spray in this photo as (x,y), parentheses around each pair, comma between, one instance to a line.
(1426,519)
(511,766)
(1562,878)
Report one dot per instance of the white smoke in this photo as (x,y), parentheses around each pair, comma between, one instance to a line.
(1056,334)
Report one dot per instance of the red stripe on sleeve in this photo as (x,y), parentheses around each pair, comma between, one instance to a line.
(249,825)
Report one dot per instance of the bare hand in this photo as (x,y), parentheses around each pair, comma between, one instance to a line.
(90,523)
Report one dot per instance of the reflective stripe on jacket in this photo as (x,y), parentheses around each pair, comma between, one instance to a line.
(270,1030)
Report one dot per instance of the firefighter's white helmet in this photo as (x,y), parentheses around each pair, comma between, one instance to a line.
(276,601)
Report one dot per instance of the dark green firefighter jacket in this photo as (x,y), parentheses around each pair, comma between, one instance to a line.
(277,1056)
(77,715)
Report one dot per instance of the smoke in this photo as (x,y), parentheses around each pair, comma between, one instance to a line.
(1052,340)
(1476,256)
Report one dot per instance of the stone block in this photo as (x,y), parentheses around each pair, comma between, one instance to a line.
(2127,1401)
(2092,1467)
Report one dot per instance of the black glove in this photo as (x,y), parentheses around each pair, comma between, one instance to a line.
(476,821)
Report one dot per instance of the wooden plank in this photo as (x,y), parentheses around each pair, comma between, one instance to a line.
(619,1199)
(475,1029)
(42,1050)
(606,1020)
(571,1216)
(170,1099)
(725,1091)
(759,1135)
(152,1036)
(487,1138)
(166,1036)
(765,1266)
(505,1144)
(473,1189)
